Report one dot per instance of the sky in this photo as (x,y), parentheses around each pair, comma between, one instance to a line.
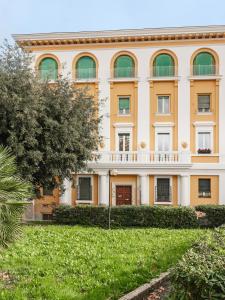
(35,16)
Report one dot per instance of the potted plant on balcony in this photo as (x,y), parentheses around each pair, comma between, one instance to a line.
(204,151)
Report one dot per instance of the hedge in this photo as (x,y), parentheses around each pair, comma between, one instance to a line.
(215,215)
(127,216)
(200,274)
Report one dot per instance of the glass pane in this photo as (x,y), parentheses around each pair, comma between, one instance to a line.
(160,105)
(163,141)
(163,190)
(124,141)
(163,104)
(85,188)
(204,188)
(85,68)
(203,103)
(163,65)
(124,105)
(48,69)
(204,64)
(204,140)
(124,66)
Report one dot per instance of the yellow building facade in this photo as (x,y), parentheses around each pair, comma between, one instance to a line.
(163,117)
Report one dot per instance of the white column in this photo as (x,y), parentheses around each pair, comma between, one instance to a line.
(103,189)
(185,190)
(144,180)
(183,96)
(66,197)
(143,98)
(222,188)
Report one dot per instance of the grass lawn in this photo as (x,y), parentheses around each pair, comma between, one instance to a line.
(64,262)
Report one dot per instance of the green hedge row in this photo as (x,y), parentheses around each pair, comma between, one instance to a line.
(215,215)
(200,274)
(127,216)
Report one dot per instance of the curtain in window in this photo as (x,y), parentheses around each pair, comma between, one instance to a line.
(204,64)
(163,142)
(124,66)
(85,68)
(163,65)
(204,140)
(48,69)
(124,105)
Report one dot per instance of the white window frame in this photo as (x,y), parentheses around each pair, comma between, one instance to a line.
(166,130)
(162,113)
(123,128)
(121,114)
(202,129)
(171,188)
(92,190)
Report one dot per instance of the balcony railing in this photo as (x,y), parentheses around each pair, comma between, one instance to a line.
(204,70)
(163,71)
(85,73)
(147,157)
(124,72)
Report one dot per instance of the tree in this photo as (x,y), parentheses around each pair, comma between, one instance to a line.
(13,190)
(52,129)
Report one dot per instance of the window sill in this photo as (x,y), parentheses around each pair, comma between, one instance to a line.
(163,203)
(204,113)
(86,80)
(123,79)
(162,114)
(124,115)
(163,78)
(84,201)
(204,77)
(205,154)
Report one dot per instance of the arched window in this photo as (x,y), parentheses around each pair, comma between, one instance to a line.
(163,65)
(85,68)
(124,67)
(204,64)
(48,69)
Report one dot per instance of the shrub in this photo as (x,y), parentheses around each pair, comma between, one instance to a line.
(200,274)
(215,215)
(127,216)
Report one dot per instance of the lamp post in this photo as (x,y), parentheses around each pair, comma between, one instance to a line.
(112,172)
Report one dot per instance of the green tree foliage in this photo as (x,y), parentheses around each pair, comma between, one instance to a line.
(51,128)
(13,190)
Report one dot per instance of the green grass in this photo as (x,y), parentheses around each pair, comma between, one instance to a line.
(65,263)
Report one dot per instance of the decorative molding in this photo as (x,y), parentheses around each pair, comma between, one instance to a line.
(123,125)
(163,124)
(204,124)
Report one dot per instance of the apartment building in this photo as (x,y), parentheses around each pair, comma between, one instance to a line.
(163,122)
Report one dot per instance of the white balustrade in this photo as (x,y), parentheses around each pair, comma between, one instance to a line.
(126,157)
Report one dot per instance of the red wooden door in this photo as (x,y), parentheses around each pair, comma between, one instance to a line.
(123,195)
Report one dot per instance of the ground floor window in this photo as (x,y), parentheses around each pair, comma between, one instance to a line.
(204,188)
(162,190)
(84,189)
(46,217)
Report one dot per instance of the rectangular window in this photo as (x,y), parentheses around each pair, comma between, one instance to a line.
(124,105)
(163,190)
(204,142)
(203,103)
(204,188)
(163,141)
(84,189)
(124,141)
(163,104)
(48,191)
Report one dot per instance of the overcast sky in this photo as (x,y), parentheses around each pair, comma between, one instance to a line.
(29,16)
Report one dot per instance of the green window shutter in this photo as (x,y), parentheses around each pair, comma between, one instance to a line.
(124,105)
(204,64)
(86,68)
(48,69)
(124,67)
(163,65)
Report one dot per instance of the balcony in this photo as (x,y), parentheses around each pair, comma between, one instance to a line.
(124,72)
(85,74)
(142,157)
(163,71)
(204,70)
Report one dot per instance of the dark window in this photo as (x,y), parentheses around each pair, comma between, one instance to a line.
(84,188)
(48,191)
(204,188)
(163,190)
(203,103)
(46,217)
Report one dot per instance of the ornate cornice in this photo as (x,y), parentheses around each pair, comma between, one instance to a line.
(121,36)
